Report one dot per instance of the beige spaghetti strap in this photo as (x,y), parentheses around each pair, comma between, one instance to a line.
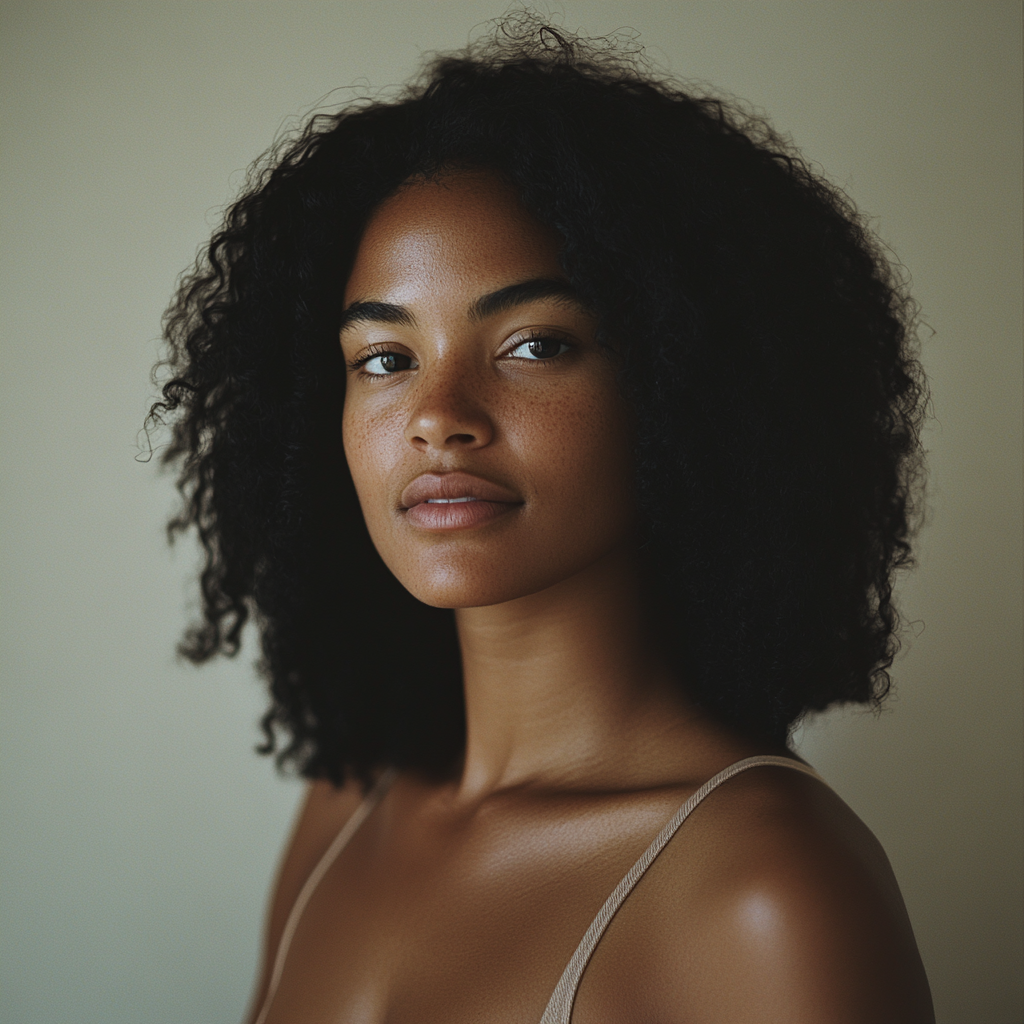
(341,840)
(559,1008)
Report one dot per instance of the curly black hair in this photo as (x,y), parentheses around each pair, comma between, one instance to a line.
(768,351)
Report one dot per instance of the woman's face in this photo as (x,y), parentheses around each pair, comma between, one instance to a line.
(483,426)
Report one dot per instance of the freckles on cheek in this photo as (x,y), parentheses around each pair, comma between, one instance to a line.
(357,437)
(571,438)
(351,441)
(373,444)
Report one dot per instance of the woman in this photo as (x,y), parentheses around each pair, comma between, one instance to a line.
(602,489)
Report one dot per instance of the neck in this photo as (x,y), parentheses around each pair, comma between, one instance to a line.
(563,687)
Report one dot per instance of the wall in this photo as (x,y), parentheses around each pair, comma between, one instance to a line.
(140,829)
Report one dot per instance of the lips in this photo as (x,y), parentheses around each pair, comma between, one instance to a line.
(453,501)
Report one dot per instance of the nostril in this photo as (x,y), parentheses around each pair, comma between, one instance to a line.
(447,428)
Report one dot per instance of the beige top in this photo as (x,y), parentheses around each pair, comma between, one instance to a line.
(559,1008)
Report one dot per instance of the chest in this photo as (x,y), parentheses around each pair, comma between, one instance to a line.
(468,921)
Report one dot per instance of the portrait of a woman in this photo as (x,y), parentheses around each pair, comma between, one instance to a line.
(560,429)
(588,438)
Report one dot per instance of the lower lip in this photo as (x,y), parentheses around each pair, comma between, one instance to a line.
(459,515)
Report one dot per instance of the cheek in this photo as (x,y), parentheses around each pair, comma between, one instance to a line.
(578,450)
(371,442)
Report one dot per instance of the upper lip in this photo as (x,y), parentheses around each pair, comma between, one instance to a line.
(455,485)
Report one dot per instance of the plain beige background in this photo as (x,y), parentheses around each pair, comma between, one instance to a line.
(140,830)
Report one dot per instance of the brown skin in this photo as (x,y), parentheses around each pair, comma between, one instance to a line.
(463,900)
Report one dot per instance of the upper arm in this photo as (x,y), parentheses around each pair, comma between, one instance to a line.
(322,813)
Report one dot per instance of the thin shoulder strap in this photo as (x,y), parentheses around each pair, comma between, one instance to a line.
(559,1008)
(341,840)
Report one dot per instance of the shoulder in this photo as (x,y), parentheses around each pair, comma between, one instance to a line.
(775,902)
(322,814)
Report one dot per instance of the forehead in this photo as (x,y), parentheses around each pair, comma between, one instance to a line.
(460,236)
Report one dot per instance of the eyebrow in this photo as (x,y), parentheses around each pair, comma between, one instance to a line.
(487,305)
(520,294)
(376,313)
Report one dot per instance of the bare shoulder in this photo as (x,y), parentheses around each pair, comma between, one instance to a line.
(776,903)
(322,813)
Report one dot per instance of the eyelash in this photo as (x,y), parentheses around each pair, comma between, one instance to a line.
(541,335)
(372,353)
(534,335)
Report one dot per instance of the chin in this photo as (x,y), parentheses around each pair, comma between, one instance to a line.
(476,578)
(444,585)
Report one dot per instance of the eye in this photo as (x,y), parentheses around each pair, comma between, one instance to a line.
(540,347)
(385,363)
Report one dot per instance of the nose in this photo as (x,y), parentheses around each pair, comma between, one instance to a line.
(449,413)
